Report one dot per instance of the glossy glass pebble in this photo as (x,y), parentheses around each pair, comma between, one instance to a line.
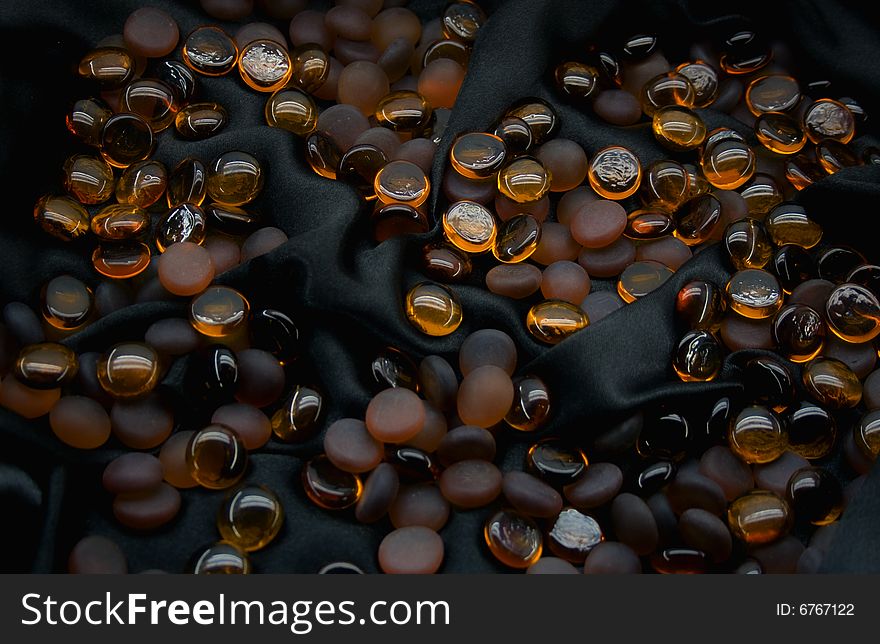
(61,217)
(129,370)
(793,265)
(697,219)
(46,365)
(799,332)
(86,119)
(250,517)
(310,66)
(754,293)
(188,183)
(198,121)
(552,321)
(216,457)
(183,223)
(697,357)
(747,243)
(772,93)
(745,52)
(759,517)
(323,155)
(789,223)
(477,155)
(576,81)
(329,487)
(142,184)
(178,77)
(445,263)
(615,172)
(88,179)
(359,166)
(221,559)
(654,477)
(293,110)
(210,51)
(531,404)
(470,227)
(811,430)
(665,434)
(853,313)
(152,100)
(264,65)
(761,193)
(727,163)
(666,89)
(556,462)
(408,111)
(402,182)
(780,133)
(815,496)
(513,538)
(126,139)
(832,384)
(828,119)
(219,312)
(515,133)
(803,170)
(757,436)
(573,535)
(769,381)
(837,262)
(66,302)
(834,156)
(111,67)
(867,434)
(463,21)
(666,186)
(640,278)
(121,260)
(524,180)
(119,222)
(517,239)
(678,128)
(679,561)
(704,79)
(433,309)
(700,305)
(539,115)
(648,224)
(234,178)
(297,419)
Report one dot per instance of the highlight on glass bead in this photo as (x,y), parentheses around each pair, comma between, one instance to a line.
(477,155)
(470,226)
(748,244)
(293,110)
(539,115)
(531,404)
(152,100)
(61,217)
(780,133)
(121,260)
(46,365)
(727,161)
(219,312)
(757,436)
(697,357)
(89,179)
(678,128)
(129,370)
(433,309)
(513,538)
(310,67)
(666,185)
(402,182)
(666,89)
(210,51)
(754,293)
(264,65)
(551,321)
(831,383)
(67,303)
(789,223)
(126,139)
(700,305)
(297,419)
(640,278)
(853,313)
(221,559)
(615,172)
(704,79)
(576,80)
(759,517)
(250,517)
(828,119)
(198,121)
(517,239)
(329,487)
(118,222)
(772,93)
(524,180)
(142,184)
(234,178)
(216,457)
(405,111)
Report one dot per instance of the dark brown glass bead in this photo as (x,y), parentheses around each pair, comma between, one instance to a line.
(359,167)
(679,561)
(445,263)
(648,224)
(556,462)
(866,433)
(799,332)
(466,443)
(769,381)
(121,260)
(836,263)
(745,52)
(832,384)
(665,435)
(853,313)
(132,472)
(697,357)
(696,219)
(811,430)
(513,538)
(700,305)
(834,156)
(531,404)
(539,115)
(379,493)
(178,77)
(577,81)
(757,436)
(403,111)
(470,483)
(126,139)
(350,447)
(612,558)
(721,465)
(221,559)
(815,496)
(598,485)
(297,419)
(705,80)
(517,239)
(793,265)
(803,170)
(216,457)
(397,219)
(748,244)
(666,186)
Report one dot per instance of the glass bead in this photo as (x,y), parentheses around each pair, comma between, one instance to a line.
(803,170)
(185,222)
(61,217)
(129,370)
(513,538)
(759,517)
(779,133)
(867,275)
(773,93)
(264,65)
(188,183)
(46,365)
(445,263)
(198,121)
(679,561)
(648,224)
(539,115)
(793,265)
(397,219)
(292,110)
(815,495)
(88,179)
(639,46)
(832,384)
(799,332)
(788,223)
(470,227)
(234,178)
(216,457)
(828,119)
(837,262)
(834,156)
(697,219)
(573,535)
(747,243)
(232,220)
(769,382)
(515,133)
(451,49)
(698,184)
(811,430)
(310,67)
(463,21)
(111,67)
(297,419)
(323,155)
(121,260)
(329,487)
(757,436)
(666,435)
(700,305)
(551,321)
(119,222)
(67,302)
(754,293)
(210,51)
(666,186)
(524,180)
(126,139)
(640,278)
(517,239)
(615,172)
(556,462)
(359,167)
(697,357)
(867,434)
(142,184)
(250,517)
(477,155)
(745,52)
(678,128)
(531,404)
(727,163)
(86,120)
(402,182)
(664,90)
(393,368)
(761,194)
(221,559)
(178,77)
(152,100)
(405,111)
(853,313)
(213,375)
(576,81)
(433,309)
(704,79)
(219,312)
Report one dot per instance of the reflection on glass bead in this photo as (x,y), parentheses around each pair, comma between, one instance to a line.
(61,217)
(700,305)
(222,559)
(698,184)
(515,133)
(747,243)
(231,219)
(524,180)
(745,52)
(185,222)
(393,368)
(853,313)
(46,365)
(648,224)
(803,170)
(793,265)
(198,121)
(665,435)
(328,486)
(250,517)
(539,115)
(837,262)
(759,517)
(556,462)
(757,436)
(513,538)
(834,156)
(704,79)
(402,182)
(292,110)
(178,77)
(573,535)
(552,321)
(142,184)
(615,172)
(297,419)
(754,293)
(89,179)
(264,65)
(697,219)
(234,178)
(769,382)
(152,100)
(640,278)
(788,223)
(477,155)
(867,434)
(210,51)
(799,332)
(678,128)
(110,66)
(121,260)
(310,67)
(86,119)
(727,163)
(832,384)
(666,89)
(470,226)
(359,166)
(531,404)
(188,183)
(216,457)
(445,263)
(697,357)
(126,139)
(517,239)
(815,495)
(761,193)
(463,21)
(219,312)
(811,430)
(576,80)
(679,561)
(828,119)
(323,154)
(404,111)
(666,186)
(397,219)
(773,93)
(780,133)
(129,370)
(433,309)
(66,302)
(118,222)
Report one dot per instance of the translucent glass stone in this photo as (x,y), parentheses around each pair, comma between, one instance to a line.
(142,184)
(788,223)
(402,182)
(219,312)
(747,243)
(524,180)
(404,111)
(757,436)
(470,227)
(433,309)
(293,110)
(531,404)
(221,559)
(665,186)
(754,293)
(832,384)
(251,517)
(67,303)
(126,139)
(264,65)
(552,321)
(772,93)
(828,119)
(88,178)
(297,419)
(671,88)
(759,517)
(477,155)
(198,121)
(46,365)
(780,133)
(678,128)
(216,457)
(513,538)
(700,305)
(640,278)
(210,51)
(129,370)
(853,313)
(121,260)
(697,357)
(615,172)
(704,79)
(727,163)
(799,332)
(61,217)
(517,239)
(329,487)
(235,178)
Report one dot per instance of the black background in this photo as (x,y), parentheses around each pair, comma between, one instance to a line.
(347,292)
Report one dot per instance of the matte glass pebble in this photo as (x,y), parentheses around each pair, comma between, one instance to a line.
(420,504)
(617,107)
(350,447)
(720,464)
(132,472)
(260,378)
(470,483)
(706,532)
(530,495)
(142,424)
(251,424)
(634,524)
(147,510)
(25,401)
(464,443)
(395,415)
(597,486)
(612,558)
(411,550)
(185,268)
(97,555)
(79,422)
(173,458)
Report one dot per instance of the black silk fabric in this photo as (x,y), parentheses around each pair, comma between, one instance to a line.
(347,292)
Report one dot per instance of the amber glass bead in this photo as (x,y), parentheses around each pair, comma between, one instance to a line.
(292,110)
(811,430)
(513,538)
(515,133)
(666,185)
(757,436)
(250,517)
(445,263)
(61,217)
(759,517)
(556,462)
(402,182)
(66,302)
(86,119)
(524,180)
(517,239)
(210,51)
(118,222)
(477,155)
(779,133)
(697,357)
(834,156)
(46,365)
(552,321)
(129,370)
(451,49)
(470,227)
(152,100)
(539,115)
(829,119)
(648,224)
(406,111)
(803,170)
(433,309)
(216,457)
(697,219)
(221,559)
(700,305)
(219,312)
(704,79)
(110,66)
(727,163)
(463,21)
(768,381)
(867,434)
(615,172)
(640,278)
(748,244)
(142,184)
(264,65)
(799,332)
(773,93)
(666,89)
(744,52)
(788,223)
(234,178)
(188,183)
(310,67)
(297,419)
(531,404)
(88,179)
(837,262)
(853,313)
(121,260)
(698,184)
(200,120)
(573,535)
(793,265)
(575,80)
(761,193)
(328,486)
(832,384)
(678,128)
(126,139)
(815,496)
(185,222)
(754,293)
(679,561)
